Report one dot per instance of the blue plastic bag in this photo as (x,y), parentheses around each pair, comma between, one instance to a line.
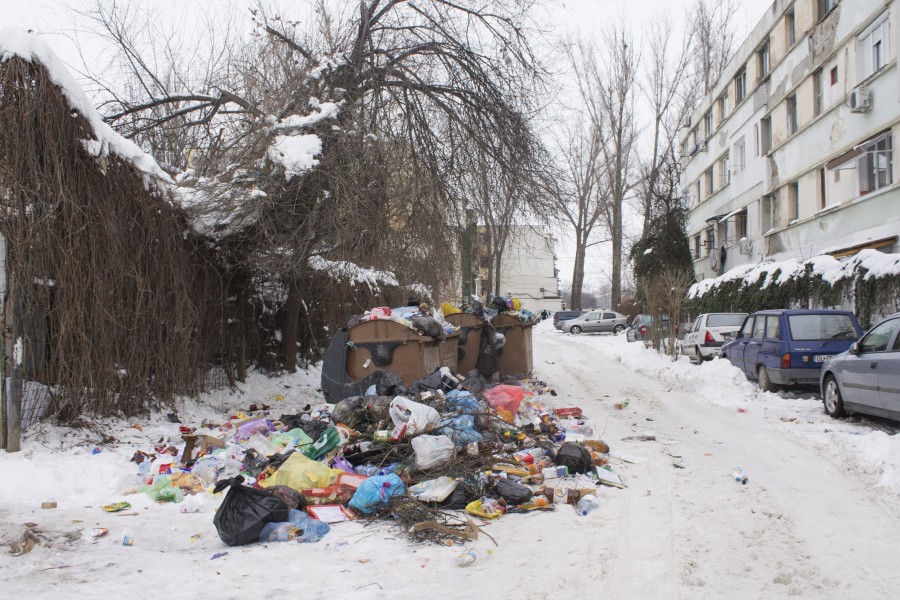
(375,492)
(300,528)
(462,401)
(460,429)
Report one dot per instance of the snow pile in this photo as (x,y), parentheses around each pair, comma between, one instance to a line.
(353,272)
(297,153)
(16,42)
(831,270)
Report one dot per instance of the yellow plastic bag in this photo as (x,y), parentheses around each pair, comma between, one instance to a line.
(449,309)
(478,509)
(300,473)
(516,304)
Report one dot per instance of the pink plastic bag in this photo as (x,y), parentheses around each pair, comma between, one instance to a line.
(381,312)
(505,399)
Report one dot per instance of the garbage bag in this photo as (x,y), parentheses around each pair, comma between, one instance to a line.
(460,497)
(295,437)
(428,326)
(449,309)
(163,490)
(300,472)
(326,442)
(513,493)
(505,399)
(375,492)
(245,511)
(432,450)
(460,429)
(417,417)
(291,497)
(431,381)
(434,490)
(462,401)
(300,527)
(350,411)
(248,428)
(487,363)
(577,458)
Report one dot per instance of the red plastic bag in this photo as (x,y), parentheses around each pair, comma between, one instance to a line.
(505,399)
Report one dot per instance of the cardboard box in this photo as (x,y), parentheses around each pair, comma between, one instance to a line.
(204,442)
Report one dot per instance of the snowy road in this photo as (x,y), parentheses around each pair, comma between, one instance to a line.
(818,518)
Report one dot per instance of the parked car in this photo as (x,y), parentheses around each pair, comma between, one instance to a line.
(641,327)
(561,316)
(788,347)
(597,321)
(704,338)
(866,378)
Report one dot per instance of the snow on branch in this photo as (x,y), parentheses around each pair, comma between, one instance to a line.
(15,42)
(353,272)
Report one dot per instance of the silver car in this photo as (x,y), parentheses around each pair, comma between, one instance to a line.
(597,321)
(705,337)
(866,378)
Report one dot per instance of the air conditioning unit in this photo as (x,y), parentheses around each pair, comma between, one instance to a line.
(745,246)
(686,122)
(860,99)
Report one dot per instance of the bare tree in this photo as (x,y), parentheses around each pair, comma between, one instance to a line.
(608,84)
(389,90)
(711,24)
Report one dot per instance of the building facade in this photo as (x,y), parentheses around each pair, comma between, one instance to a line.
(527,269)
(791,153)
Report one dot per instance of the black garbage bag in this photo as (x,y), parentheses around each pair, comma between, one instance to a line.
(378,408)
(389,384)
(487,363)
(245,511)
(459,498)
(291,497)
(576,458)
(428,326)
(314,428)
(429,382)
(513,493)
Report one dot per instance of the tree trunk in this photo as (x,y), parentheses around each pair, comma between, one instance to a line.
(578,275)
(289,328)
(616,235)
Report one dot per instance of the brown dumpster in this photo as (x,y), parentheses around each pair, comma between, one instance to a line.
(470,327)
(393,347)
(516,359)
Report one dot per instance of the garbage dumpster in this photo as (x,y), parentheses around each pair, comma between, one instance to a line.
(393,347)
(516,359)
(470,327)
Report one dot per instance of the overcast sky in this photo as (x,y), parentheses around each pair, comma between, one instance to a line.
(59,23)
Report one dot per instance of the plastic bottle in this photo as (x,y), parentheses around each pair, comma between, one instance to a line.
(469,557)
(739,476)
(587,505)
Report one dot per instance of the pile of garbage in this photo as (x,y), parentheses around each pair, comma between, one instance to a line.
(427,455)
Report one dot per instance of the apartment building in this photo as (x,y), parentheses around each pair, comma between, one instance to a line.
(528,268)
(791,153)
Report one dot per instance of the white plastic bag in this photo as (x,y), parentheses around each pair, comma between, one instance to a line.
(433,490)
(417,417)
(432,450)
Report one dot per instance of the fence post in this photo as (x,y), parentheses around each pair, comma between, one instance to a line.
(3,388)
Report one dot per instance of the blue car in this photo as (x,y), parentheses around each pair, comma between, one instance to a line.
(788,347)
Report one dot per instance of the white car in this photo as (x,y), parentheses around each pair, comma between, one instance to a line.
(705,337)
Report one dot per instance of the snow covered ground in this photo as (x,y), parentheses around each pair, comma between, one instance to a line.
(818,518)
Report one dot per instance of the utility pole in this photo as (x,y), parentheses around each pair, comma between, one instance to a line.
(468,252)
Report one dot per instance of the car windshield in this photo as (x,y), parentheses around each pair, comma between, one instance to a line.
(724,320)
(822,327)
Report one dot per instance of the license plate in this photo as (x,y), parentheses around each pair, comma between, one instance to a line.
(821,357)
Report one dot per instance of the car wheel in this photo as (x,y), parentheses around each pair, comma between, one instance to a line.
(575,329)
(618,329)
(831,397)
(764,382)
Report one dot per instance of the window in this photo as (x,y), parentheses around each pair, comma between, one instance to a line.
(818,94)
(790,27)
(767,208)
(765,135)
(722,104)
(762,60)
(724,172)
(697,245)
(808,328)
(708,124)
(740,155)
(824,7)
(876,165)
(710,240)
(833,75)
(773,328)
(792,114)
(793,192)
(759,328)
(697,192)
(877,340)
(740,86)
(747,328)
(740,224)
(822,199)
(708,182)
(873,47)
